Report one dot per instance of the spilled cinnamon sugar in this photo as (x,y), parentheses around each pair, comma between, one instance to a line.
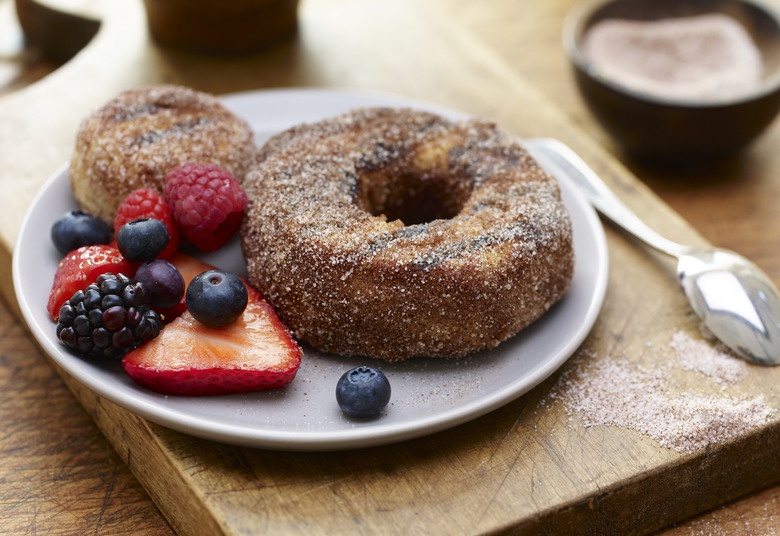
(616,392)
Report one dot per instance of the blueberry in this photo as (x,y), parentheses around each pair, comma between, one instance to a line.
(76,229)
(142,240)
(162,282)
(216,298)
(363,392)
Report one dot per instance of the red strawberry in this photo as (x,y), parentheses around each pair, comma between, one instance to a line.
(207,202)
(81,267)
(148,203)
(254,353)
(188,267)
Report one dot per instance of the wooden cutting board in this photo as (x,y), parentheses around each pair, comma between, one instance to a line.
(527,467)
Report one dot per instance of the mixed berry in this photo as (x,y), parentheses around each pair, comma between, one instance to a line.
(256,352)
(178,325)
(81,267)
(148,203)
(127,299)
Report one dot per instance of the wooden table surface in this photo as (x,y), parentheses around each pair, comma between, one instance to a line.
(62,476)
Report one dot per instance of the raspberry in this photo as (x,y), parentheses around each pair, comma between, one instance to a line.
(207,202)
(148,203)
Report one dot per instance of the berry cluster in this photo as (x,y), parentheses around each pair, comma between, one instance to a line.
(147,231)
(101,312)
(113,299)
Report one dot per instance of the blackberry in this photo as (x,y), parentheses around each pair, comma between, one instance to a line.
(108,319)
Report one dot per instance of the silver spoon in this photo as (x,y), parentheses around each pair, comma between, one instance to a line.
(732,296)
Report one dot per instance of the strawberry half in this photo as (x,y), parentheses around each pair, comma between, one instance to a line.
(81,267)
(254,353)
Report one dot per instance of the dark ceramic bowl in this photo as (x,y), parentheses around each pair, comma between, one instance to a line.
(665,130)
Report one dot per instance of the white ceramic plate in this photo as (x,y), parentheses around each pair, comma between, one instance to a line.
(428,395)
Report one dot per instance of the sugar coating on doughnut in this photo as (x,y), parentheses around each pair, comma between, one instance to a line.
(395,233)
(135,139)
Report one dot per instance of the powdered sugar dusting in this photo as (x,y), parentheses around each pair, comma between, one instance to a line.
(616,392)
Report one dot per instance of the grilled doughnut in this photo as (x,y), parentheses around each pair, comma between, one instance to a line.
(134,140)
(395,233)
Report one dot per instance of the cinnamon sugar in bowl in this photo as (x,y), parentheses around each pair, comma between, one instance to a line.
(677,82)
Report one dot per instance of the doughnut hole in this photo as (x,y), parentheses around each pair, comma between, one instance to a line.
(415,190)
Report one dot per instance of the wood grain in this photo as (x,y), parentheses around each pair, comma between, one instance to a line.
(733,203)
(523,468)
(49,487)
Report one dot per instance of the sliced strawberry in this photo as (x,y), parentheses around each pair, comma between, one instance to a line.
(80,268)
(254,353)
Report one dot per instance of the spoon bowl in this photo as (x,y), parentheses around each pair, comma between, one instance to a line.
(734,298)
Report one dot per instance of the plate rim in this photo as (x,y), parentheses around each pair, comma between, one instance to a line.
(358,437)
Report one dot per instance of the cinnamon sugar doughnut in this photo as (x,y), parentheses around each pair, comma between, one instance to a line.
(397,233)
(134,140)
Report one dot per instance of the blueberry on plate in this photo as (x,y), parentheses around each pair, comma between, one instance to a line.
(216,298)
(363,392)
(162,282)
(142,240)
(76,229)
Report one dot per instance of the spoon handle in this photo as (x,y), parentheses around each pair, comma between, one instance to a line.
(557,155)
